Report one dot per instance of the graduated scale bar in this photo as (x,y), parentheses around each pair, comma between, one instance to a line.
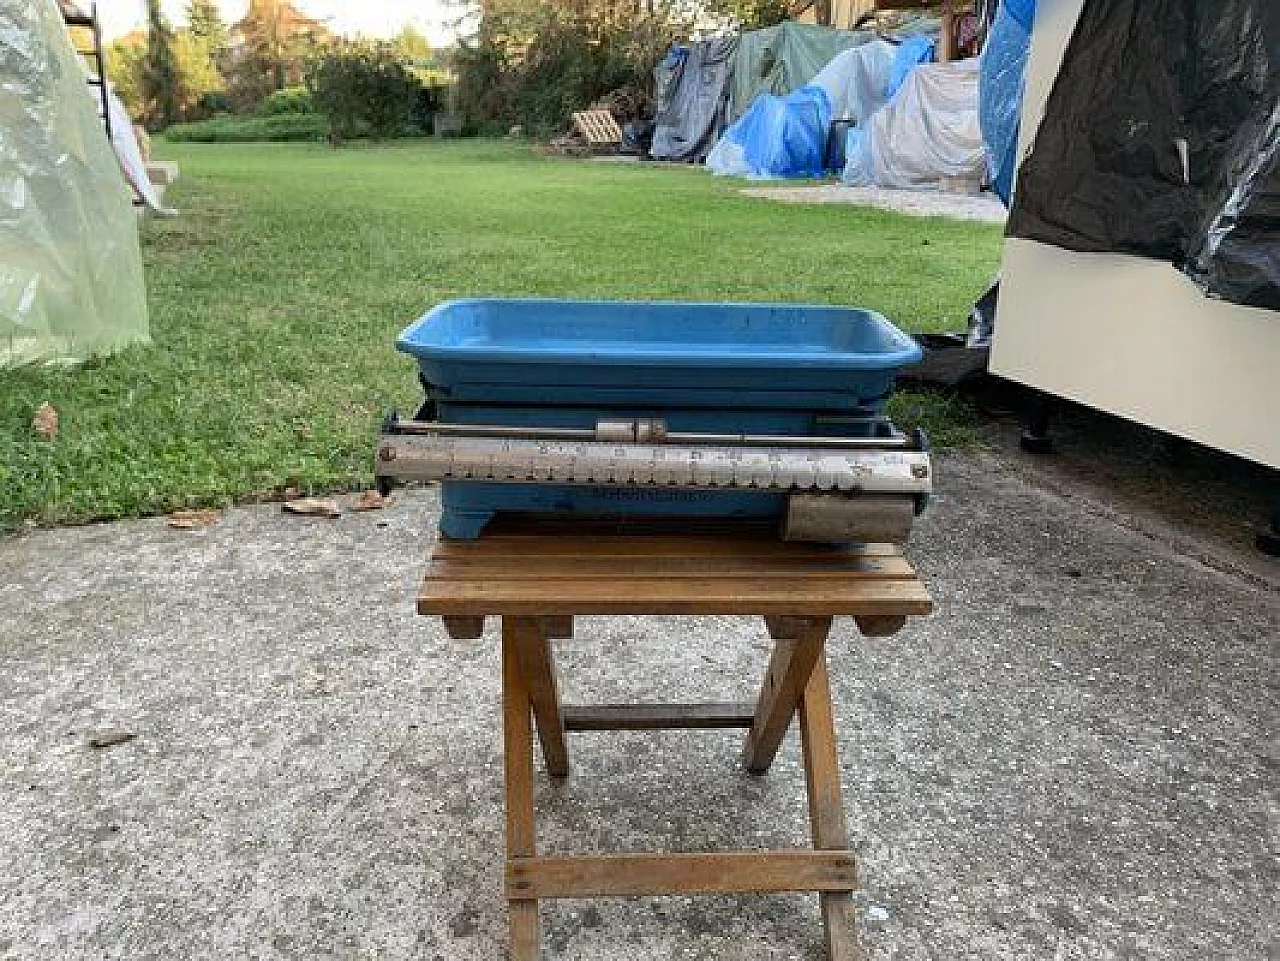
(433,457)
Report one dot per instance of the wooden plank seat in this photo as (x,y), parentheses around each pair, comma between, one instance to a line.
(536,582)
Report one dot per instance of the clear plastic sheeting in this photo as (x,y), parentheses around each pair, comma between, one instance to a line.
(856,80)
(70,266)
(779,60)
(690,86)
(1004,68)
(928,133)
(777,137)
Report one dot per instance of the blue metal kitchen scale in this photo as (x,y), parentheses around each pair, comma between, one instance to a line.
(576,409)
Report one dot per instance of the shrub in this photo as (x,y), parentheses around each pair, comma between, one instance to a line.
(483,90)
(231,129)
(288,100)
(364,88)
(535,67)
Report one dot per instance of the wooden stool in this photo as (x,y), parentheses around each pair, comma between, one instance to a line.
(537,582)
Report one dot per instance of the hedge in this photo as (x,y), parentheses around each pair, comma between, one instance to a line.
(234,129)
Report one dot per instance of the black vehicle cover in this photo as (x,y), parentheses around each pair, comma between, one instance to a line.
(1160,139)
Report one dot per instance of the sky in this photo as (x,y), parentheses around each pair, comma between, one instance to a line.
(370,18)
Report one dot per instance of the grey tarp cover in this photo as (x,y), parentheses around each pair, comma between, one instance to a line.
(782,59)
(928,132)
(70,265)
(692,105)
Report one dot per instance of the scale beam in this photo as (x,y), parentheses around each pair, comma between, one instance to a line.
(425,457)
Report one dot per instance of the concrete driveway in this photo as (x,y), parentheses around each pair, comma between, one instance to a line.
(1073,759)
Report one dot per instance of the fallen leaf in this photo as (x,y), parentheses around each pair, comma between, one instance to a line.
(45,422)
(371,501)
(313,507)
(110,738)
(193,520)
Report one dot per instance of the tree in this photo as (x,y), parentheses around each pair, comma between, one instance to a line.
(195,75)
(198,73)
(412,47)
(364,88)
(207,26)
(160,72)
(533,62)
(126,61)
(271,45)
(754,14)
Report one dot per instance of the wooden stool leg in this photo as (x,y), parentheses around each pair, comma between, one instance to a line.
(559,626)
(826,808)
(783,628)
(537,668)
(517,741)
(789,669)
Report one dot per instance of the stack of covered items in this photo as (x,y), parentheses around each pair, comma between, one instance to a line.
(881,112)
(787,136)
(700,88)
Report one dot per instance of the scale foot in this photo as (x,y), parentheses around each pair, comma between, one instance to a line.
(464,525)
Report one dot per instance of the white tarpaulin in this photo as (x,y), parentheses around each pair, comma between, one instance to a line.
(70,265)
(856,80)
(788,136)
(927,133)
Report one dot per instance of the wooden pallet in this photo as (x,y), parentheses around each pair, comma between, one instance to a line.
(598,128)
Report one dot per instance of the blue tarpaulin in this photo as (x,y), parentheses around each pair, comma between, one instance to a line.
(1004,66)
(777,137)
(912,52)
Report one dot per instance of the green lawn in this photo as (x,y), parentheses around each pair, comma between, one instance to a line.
(276,296)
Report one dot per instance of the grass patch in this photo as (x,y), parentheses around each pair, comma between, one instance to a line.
(948,419)
(276,128)
(276,296)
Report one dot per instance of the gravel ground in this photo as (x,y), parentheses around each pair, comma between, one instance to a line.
(919,203)
(1072,759)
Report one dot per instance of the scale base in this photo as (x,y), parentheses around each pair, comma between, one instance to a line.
(469,507)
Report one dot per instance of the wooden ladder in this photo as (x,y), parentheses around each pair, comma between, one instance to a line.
(98,74)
